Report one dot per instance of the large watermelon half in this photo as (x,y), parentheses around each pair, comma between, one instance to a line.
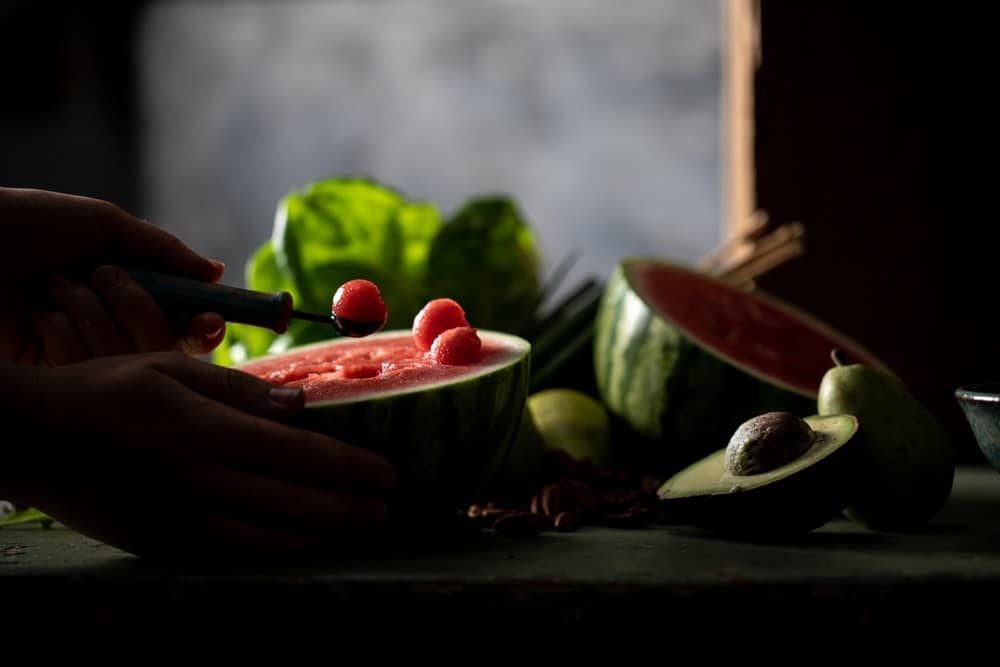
(682,359)
(446,429)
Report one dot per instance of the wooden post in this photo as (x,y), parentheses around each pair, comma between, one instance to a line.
(740,60)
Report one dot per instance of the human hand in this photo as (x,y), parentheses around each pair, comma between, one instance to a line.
(160,454)
(62,297)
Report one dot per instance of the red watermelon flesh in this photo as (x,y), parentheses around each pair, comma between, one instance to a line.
(681,358)
(365,367)
(751,330)
(438,316)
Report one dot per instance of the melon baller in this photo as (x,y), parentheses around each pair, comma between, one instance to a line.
(270,310)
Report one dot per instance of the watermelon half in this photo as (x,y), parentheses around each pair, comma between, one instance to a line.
(682,359)
(446,429)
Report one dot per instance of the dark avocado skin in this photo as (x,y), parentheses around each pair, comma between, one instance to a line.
(792,505)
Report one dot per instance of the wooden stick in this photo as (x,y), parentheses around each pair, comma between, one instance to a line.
(765,244)
(735,246)
(767,261)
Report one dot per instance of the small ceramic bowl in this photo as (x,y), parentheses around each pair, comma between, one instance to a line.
(981,405)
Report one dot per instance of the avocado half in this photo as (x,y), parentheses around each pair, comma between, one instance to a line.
(796,497)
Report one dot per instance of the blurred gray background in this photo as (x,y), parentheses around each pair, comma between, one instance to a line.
(600,118)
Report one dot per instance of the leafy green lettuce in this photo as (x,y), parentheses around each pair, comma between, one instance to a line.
(485,257)
(27,515)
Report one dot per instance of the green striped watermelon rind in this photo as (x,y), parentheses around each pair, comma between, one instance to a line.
(673,399)
(446,439)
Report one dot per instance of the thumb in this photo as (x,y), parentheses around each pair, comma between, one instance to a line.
(71,228)
(137,242)
(233,387)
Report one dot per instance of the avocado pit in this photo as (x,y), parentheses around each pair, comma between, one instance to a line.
(767,442)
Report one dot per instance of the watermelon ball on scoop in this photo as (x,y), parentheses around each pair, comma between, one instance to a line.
(438,316)
(457,346)
(358,308)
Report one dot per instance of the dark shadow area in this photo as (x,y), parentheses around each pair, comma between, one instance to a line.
(67,107)
(873,129)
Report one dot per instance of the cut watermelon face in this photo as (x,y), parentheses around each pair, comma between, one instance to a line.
(380,364)
(682,359)
(445,428)
(750,330)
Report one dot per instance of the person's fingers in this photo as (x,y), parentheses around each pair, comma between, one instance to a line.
(135,309)
(144,321)
(98,329)
(74,230)
(204,333)
(61,342)
(226,536)
(232,387)
(254,443)
(146,522)
(282,504)
(15,331)
(260,445)
(30,354)
(140,243)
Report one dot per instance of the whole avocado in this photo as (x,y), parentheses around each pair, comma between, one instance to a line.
(906,463)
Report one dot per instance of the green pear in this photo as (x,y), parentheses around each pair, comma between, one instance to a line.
(521,473)
(906,462)
(554,418)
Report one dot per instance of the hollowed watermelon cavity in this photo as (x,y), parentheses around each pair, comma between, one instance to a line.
(446,429)
(682,359)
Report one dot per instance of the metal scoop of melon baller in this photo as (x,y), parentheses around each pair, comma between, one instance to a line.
(270,310)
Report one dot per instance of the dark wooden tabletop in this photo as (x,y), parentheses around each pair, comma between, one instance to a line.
(842,573)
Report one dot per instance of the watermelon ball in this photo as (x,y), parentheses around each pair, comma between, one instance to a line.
(435,318)
(457,346)
(358,308)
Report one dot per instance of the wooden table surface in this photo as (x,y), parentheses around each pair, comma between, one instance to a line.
(842,573)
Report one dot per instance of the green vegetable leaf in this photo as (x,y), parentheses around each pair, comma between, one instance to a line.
(29,515)
(486,259)
(337,230)
(340,229)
